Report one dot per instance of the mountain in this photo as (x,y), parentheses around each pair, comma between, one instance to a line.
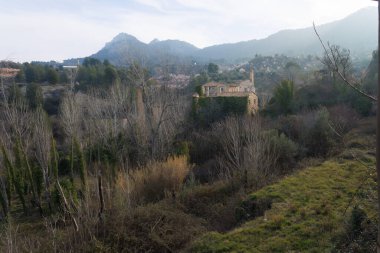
(125,48)
(357,32)
(176,47)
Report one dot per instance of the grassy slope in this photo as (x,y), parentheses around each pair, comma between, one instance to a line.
(308,208)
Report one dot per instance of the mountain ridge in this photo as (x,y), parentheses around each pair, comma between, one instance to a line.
(357,32)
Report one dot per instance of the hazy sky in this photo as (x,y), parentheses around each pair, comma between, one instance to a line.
(61,29)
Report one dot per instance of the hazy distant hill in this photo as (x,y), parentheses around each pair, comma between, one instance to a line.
(357,32)
(125,48)
(176,47)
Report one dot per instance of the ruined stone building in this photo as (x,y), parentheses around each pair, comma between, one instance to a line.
(243,89)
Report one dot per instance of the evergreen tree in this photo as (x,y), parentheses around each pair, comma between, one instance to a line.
(34,96)
(9,173)
(52,76)
(80,164)
(15,95)
(283,98)
(110,75)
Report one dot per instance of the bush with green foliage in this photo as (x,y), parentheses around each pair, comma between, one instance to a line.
(15,95)
(318,136)
(52,76)
(285,150)
(212,109)
(282,101)
(34,96)
(311,130)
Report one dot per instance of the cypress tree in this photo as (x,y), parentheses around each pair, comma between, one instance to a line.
(18,179)
(24,165)
(3,198)
(10,174)
(81,167)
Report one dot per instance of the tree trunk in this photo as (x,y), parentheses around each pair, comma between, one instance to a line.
(101,198)
(66,206)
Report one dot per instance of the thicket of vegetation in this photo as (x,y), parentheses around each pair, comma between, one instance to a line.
(326,89)
(90,73)
(126,166)
(328,207)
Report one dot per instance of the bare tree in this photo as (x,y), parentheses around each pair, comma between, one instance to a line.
(165,111)
(71,115)
(149,117)
(42,137)
(247,152)
(338,61)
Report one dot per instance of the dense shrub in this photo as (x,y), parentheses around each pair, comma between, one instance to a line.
(312,131)
(153,228)
(362,105)
(204,145)
(215,203)
(311,97)
(208,110)
(343,118)
(286,150)
(207,172)
(283,99)
(319,137)
(152,182)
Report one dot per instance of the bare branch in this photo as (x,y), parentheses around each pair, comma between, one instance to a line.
(332,58)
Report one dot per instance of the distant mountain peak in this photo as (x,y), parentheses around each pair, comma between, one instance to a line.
(123,37)
(154,41)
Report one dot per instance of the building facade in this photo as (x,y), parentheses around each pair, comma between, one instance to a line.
(241,89)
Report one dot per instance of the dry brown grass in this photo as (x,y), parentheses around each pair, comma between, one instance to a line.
(156,180)
(158,227)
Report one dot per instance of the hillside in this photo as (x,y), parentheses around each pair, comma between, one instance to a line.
(356,32)
(125,48)
(310,209)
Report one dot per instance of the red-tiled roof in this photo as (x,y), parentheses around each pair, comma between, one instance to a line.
(8,72)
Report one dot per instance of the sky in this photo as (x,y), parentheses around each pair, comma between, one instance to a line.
(44,30)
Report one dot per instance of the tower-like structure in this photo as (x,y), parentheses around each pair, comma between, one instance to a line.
(252,78)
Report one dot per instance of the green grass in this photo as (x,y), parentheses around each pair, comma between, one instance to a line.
(308,210)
